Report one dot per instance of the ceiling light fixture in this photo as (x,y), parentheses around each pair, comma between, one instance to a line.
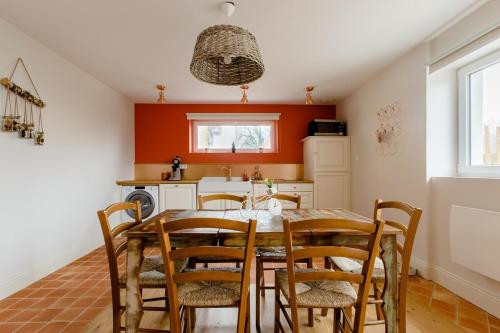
(226,55)
(161,91)
(244,97)
(309,98)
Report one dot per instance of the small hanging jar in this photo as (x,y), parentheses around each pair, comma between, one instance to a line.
(30,132)
(39,135)
(24,125)
(16,118)
(7,118)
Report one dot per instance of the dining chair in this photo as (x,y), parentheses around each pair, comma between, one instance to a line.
(404,251)
(272,255)
(152,274)
(202,199)
(207,287)
(324,288)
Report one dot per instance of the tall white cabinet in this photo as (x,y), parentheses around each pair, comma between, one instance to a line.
(327,161)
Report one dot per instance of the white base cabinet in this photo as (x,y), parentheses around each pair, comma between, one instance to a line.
(177,196)
(305,190)
(327,163)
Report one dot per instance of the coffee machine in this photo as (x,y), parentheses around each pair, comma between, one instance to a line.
(176,169)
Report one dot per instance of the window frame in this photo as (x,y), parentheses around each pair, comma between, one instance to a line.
(464,119)
(197,119)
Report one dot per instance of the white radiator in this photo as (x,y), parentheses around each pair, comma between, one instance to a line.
(475,240)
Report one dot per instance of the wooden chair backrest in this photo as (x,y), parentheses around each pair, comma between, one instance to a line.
(164,230)
(110,234)
(367,254)
(280,196)
(222,196)
(409,232)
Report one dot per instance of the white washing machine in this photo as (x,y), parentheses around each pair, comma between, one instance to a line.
(148,197)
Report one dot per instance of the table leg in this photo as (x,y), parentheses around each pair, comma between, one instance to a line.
(390,294)
(134,299)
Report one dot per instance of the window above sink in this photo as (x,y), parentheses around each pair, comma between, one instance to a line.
(234,133)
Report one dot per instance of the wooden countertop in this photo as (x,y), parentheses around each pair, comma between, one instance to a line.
(155,182)
(284,181)
(195,181)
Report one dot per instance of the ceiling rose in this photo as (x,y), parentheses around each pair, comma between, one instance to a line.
(226,55)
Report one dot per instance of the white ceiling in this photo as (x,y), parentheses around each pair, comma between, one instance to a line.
(131,45)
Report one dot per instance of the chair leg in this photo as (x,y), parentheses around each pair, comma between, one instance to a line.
(192,263)
(192,317)
(262,278)
(328,264)
(347,312)
(116,318)
(257,293)
(309,263)
(166,298)
(248,322)
(276,308)
(188,320)
(378,296)
(310,317)
(337,313)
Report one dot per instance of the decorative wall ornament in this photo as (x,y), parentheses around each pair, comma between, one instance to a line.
(389,129)
(17,98)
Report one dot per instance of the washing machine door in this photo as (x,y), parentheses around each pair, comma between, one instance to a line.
(146,200)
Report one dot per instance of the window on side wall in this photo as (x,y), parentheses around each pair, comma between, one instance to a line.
(479,117)
(218,132)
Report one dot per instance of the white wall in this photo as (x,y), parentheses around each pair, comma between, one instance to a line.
(404,176)
(401,176)
(50,194)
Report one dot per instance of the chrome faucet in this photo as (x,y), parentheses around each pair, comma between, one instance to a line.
(228,172)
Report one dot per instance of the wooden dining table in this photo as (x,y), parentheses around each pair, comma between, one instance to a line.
(269,233)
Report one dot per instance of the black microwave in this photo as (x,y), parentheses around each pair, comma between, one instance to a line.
(326,127)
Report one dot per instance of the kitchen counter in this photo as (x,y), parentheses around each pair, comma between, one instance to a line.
(155,182)
(284,181)
(195,181)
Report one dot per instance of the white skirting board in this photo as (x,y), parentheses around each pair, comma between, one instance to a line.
(475,240)
(466,289)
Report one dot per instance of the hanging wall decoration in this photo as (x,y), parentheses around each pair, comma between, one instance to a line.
(19,100)
(389,129)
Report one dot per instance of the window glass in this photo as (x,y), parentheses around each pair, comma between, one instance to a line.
(247,136)
(484,113)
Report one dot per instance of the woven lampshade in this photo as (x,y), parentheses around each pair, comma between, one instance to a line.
(226,55)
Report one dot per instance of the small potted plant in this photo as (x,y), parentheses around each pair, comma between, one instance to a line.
(269,183)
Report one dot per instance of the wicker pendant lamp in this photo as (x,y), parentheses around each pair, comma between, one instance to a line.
(226,55)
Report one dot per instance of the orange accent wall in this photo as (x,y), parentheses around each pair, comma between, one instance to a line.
(162,131)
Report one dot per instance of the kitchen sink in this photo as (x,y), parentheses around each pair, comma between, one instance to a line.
(221,185)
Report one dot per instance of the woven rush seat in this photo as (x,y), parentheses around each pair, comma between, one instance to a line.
(270,253)
(153,271)
(209,293)
(355,266)
(318,294)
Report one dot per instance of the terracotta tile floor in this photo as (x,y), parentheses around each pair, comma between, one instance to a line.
(68,299)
